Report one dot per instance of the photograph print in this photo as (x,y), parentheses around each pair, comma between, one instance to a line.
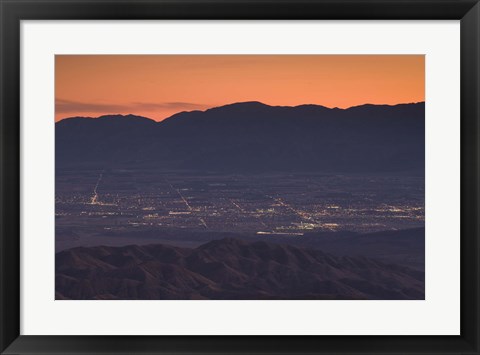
(239,177)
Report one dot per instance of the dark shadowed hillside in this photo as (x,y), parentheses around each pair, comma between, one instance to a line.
(251,137)
(228,269)
(402,247)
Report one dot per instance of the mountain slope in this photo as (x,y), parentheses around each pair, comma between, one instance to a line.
(402,247)
(228,269)
(251,136)
(87,139)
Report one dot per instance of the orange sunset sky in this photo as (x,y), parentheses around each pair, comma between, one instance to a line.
(157,86)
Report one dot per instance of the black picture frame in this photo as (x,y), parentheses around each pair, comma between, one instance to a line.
(14,11)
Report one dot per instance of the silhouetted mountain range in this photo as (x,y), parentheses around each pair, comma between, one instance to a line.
(252,136)
(228,269)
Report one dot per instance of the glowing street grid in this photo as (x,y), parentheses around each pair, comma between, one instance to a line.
(264,204)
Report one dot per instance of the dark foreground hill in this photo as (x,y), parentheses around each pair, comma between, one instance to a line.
(228,269)
(403,247)
(250,137)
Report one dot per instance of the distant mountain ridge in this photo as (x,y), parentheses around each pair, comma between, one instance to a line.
(228,269)
(252,136)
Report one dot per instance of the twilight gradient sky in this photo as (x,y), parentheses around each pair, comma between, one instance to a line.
(157,86)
